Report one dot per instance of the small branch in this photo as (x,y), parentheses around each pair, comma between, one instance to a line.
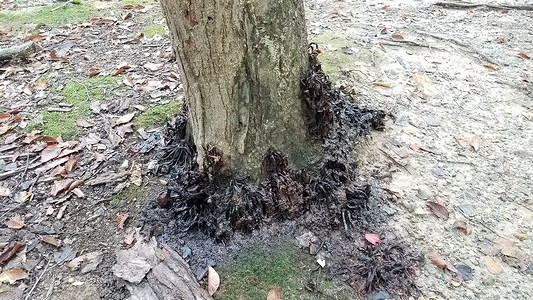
(39,279)
(20,50)
(62,5)
(487,6)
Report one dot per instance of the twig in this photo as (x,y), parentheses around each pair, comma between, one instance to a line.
(86,89)
(488,6)
(62,5)
(460,44)
(39,279)
(395,161)
(26,169)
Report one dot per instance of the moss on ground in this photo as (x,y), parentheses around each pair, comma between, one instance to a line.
(152,30)
(130,193)
(70,13)
(157,115)
(79,94)
(333,61)
(283,267)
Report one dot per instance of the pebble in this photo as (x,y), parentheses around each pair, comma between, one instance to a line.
(424,192)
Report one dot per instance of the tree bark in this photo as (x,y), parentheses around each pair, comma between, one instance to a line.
(241,62)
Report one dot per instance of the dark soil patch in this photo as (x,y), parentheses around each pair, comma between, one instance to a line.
(217,215)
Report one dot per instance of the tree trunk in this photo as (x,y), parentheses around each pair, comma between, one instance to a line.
(241,62)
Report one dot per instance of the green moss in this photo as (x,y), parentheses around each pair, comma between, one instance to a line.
(157,115)
(43,15)
(333,61)
(130,193)
(152,30)
(283,267)
(75,92)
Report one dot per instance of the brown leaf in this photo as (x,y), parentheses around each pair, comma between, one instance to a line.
(60,185)
(125,119)
(136,174)
(474,142)
(461,225)
(523,55)
(121,70)
(381,84)
(213,281)
(34,37)
(273,294)
(12,276)
(40,84)
(122,130)
(126,16)
(500,40)
(491,265)
(490,67)
(71,163)
(50,240)
(84,123)
(438,210)
(75,184)
(121,219)
(50,141)
(9,253)
(397,36)
(437,259)
(16,222)
(128,81)
(94,73)
(50,153)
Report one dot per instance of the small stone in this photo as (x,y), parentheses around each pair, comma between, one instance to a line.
(71,280)
(424,193)
(468,210)
(200,271)
(313,249)
(186,252)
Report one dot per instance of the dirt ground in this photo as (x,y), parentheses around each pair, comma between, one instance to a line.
(473,123)
(460,131)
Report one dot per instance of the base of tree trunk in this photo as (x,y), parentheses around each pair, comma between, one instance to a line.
(16,51)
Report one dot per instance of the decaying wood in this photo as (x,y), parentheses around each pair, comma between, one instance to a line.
(153,273)
(16,51)
(241,63)
(487,6)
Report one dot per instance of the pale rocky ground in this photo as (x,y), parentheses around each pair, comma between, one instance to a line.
(442,97)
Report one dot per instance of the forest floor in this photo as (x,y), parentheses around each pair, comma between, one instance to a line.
(456,82)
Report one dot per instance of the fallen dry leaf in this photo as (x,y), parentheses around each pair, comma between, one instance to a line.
(213,281)
(128,81)
(125,119)
(461,225)
(78,193)
(59,171)
(50,240)
(397,36)
(438,209)
(490,67)
(9,253)
(121,219)
(437,259)
(372,238)
(474,142)
(491,265)
(136,174)
(16,222)
(523,55)
(50,153)
(60,185)
(273,294)
(12,276)
(71,163)
(75,184)
(40,84)
(4,191)
(381,84)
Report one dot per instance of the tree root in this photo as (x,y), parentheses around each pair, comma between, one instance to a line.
(16,51)
(487,6)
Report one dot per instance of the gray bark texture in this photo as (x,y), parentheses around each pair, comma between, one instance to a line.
(241,62)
